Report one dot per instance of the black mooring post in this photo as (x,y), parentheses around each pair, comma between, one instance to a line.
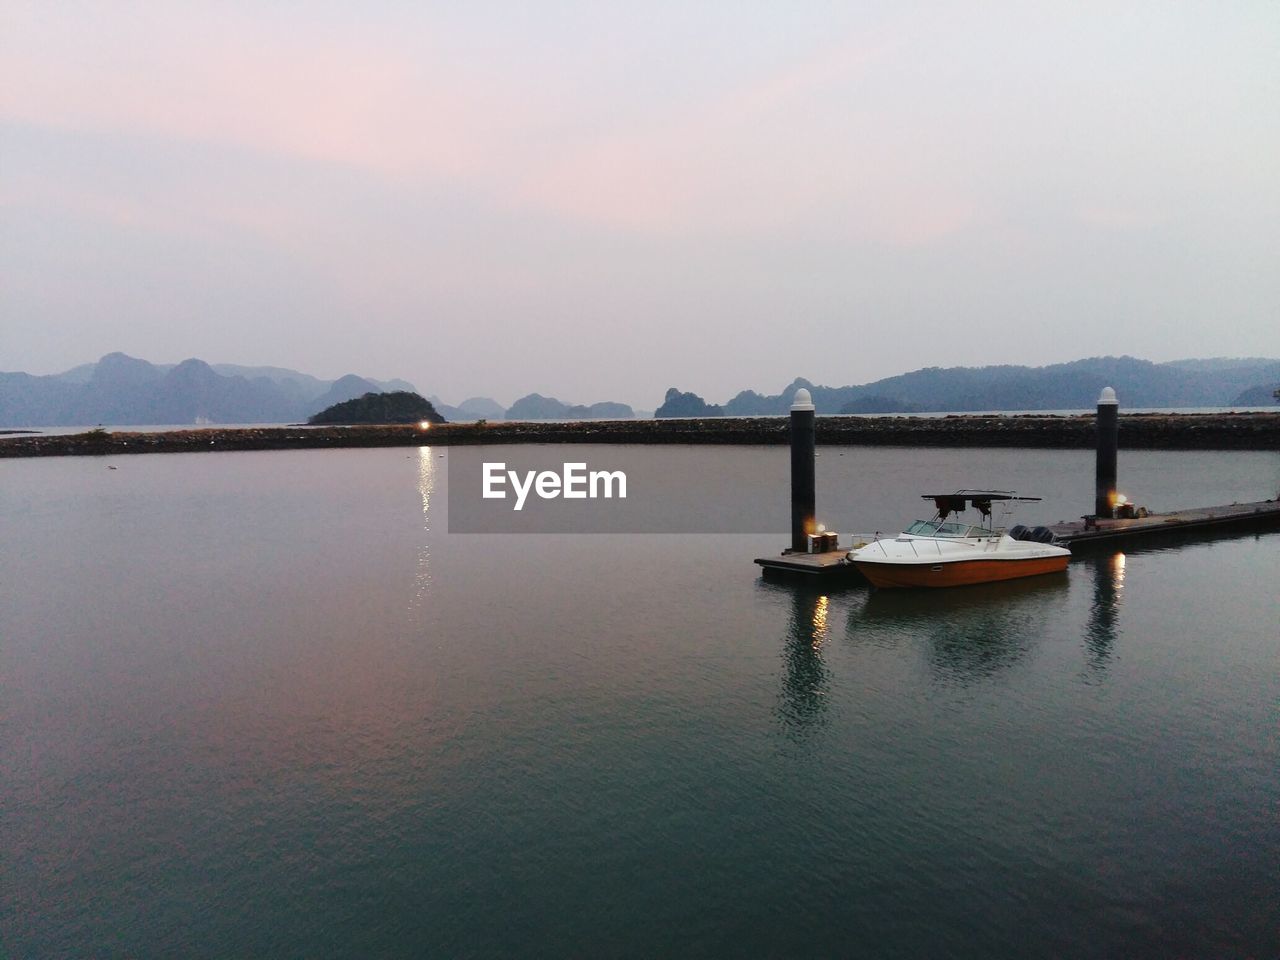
(1104,502)
(803,497)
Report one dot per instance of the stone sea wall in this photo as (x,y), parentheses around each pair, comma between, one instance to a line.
(1229,431)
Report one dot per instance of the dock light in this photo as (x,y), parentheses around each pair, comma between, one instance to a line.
(424,424)
(822,528)
(1126,509)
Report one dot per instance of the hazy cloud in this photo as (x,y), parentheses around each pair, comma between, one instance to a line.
(601,201)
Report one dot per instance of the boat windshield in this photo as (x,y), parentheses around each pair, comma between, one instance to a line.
(932,528)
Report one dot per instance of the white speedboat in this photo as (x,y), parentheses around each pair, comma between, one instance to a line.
(945,552)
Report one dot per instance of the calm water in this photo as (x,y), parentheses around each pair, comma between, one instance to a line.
(262,704)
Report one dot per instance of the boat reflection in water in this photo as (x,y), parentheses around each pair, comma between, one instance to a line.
(970,634)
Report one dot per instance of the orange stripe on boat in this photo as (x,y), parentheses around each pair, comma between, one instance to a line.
(957,573)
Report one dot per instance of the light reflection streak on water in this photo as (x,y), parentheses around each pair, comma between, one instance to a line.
(426,484)
(820,631)
(805,680)
(1104,616)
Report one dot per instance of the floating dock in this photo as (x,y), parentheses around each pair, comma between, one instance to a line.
(1238,515)
(1101,529)
(1078,536)
(826,565)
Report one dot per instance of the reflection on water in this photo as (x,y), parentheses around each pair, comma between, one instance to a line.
(422,576)
(819,620)
(221,733)
(1104,613)
(972,633)
(806,679)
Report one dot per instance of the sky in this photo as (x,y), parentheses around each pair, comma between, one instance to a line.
(598,201)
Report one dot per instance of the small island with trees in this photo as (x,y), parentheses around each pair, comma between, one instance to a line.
(400,406)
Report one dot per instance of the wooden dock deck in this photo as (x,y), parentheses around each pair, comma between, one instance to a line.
(1242,515)
(1077,535)
(828,565)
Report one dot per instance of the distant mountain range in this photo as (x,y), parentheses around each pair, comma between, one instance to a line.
(123,390)
(473,408)
(532,407)
(537,407)
(1218,382)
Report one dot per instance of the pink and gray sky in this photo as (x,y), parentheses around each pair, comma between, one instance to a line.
(597,200)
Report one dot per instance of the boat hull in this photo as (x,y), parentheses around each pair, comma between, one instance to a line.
(958,573)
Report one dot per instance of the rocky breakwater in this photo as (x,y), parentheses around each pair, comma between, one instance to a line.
(206,440)
(1138,431)
(1209,431)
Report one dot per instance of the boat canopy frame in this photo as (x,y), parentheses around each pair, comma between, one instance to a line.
(980,500)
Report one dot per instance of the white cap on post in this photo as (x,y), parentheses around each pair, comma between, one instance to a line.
(802,400)
(1108,396)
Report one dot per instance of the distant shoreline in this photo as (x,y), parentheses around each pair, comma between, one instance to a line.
(1213,431)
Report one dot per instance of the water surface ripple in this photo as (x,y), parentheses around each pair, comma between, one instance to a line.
(261,704)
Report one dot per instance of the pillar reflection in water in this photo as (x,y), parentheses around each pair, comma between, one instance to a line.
(426,485)
(806,679)
(1104,614)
